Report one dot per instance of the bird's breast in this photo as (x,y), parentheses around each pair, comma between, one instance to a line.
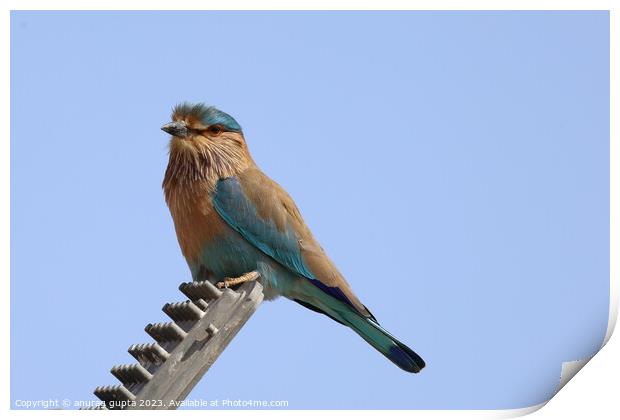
(195,221)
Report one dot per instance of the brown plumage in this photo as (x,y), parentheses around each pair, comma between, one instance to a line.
(195,165)
(231,218)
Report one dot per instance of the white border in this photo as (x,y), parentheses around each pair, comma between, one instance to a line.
(570,368)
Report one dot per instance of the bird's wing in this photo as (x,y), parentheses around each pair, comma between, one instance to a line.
(267,217)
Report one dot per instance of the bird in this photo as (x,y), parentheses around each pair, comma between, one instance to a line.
(236,224)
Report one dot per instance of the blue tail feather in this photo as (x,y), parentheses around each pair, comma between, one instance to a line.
(368,328)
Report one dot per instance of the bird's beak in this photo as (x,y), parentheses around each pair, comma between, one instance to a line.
(176,128)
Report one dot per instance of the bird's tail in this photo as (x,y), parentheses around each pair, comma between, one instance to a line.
(368,328)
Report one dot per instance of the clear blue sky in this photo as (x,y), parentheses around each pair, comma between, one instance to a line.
(455,166)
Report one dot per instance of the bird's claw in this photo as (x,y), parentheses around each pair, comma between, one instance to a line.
(228,281)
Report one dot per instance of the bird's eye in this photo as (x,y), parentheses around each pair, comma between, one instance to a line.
(214,130)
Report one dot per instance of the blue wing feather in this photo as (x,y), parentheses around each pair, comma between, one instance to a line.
(240,213)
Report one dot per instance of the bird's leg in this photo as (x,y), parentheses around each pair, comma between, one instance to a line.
(228,281)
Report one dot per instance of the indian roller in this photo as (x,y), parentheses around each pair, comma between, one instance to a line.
(232,221)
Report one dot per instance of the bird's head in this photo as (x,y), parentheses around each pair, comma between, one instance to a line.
(192,121)
(206,140)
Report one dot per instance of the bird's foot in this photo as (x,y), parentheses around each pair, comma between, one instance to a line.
(228,281)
